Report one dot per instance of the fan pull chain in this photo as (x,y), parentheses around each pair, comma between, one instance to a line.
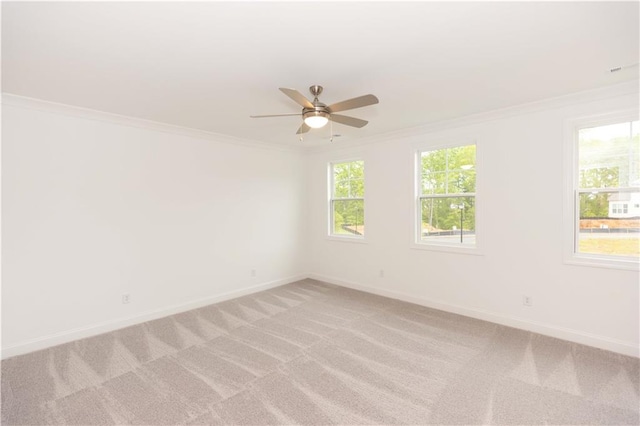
(331,126)
(301,137)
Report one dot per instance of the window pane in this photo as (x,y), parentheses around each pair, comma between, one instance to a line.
(599,177)
(462,157)
(341,189)
(348,179)
(449,170)
(340,172)
(448,220)
(357,169)
(357,188)
(462,181)
(609,223)
(435,161)
(348,217)
(434,182)
(609,156)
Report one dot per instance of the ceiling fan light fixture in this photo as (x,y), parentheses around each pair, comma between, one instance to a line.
(316,119)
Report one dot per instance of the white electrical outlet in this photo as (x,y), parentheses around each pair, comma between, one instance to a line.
(381,273)
(125,298)
(527,300)
(253,273)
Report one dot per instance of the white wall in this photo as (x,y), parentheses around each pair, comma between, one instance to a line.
(520,215)
(95,206)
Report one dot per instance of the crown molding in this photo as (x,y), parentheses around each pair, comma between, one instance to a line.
(613,91)
(627,88)
(10,99)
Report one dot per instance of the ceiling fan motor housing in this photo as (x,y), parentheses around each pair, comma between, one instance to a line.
(315,90)
(316,112)
(319,109)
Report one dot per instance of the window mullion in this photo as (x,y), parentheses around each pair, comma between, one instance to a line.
(456,195)
(608,190)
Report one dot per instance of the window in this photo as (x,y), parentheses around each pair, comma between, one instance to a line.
(619,208)
(446,199)
(606,192)
(347,199)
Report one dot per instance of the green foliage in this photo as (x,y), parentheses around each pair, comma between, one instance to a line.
(440,214)
(348,180)
(600,177)
(597,204)
(449,170)
(348,214)
(594,205)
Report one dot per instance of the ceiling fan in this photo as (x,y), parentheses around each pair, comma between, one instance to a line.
(316,114)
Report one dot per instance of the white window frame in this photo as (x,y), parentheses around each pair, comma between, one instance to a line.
(331,188)
(572,191)
(417,241)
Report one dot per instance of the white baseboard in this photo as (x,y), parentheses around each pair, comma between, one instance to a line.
(625,348)
(107,326)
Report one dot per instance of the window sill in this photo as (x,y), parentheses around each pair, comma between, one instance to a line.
(346,239)
(600,262)
(474,251)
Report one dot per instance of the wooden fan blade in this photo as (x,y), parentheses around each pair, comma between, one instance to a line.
(349,121)
(275,115)
(359,102)
(303,129)
(297,97)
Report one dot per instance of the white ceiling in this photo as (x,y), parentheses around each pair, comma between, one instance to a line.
(209,65)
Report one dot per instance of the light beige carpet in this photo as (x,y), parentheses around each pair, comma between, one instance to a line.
(313,353)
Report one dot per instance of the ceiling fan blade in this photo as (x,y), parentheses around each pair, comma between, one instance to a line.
(297,97)
(274,115)
(303,129)
(359,102)
(349,121)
